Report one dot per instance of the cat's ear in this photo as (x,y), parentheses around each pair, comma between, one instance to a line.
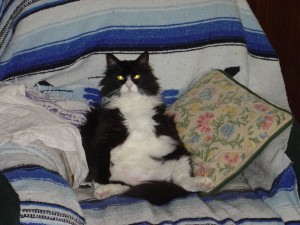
(111,60)
(143,58)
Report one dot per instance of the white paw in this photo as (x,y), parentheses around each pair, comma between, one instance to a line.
(107,190)
(195,184)
(204,183)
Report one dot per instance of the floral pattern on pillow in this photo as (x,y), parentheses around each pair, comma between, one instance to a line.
(225,125)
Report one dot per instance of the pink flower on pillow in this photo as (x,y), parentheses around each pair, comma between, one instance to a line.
(261,107)
(231,157)
(267,122)
(207,138)
(219,103)
(204,122)
(203,170)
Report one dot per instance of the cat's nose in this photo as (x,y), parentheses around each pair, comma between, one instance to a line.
(129,84)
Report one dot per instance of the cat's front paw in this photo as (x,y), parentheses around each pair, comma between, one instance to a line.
(107,190)
(204,183)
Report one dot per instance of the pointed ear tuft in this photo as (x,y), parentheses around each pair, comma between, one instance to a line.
(143,58)
(111,60)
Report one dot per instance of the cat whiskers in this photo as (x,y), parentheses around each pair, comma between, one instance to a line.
(143,91)
(114,92)
(110,95)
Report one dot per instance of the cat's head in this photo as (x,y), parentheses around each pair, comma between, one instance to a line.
(128,76)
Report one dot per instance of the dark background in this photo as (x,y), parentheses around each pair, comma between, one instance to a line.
(280,19)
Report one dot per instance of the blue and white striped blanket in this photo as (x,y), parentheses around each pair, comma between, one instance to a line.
(59,47)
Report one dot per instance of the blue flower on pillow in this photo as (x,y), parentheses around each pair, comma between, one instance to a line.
(227,130)
(196,138)
(206,94)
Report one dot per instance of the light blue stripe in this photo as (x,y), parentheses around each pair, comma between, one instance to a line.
(122,17)
(53,52)
(250,21)
(6,19)
(58,52)
(73,38)
(42,186)
(282,198)
(165,30)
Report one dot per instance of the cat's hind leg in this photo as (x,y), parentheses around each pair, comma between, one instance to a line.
(182,176)
(103,191)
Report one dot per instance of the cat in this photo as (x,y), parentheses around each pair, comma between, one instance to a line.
(132,146)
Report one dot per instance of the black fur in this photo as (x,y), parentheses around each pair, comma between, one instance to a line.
(156,192)
(104,130)
(166,126)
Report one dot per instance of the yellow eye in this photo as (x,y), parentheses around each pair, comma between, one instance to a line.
(137,77)
(120,77)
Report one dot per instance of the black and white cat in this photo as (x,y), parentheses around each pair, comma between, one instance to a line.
(132,146)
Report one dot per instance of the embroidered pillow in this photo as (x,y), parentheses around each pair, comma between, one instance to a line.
(225,125)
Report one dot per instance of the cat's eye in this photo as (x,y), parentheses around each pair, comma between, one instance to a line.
(137,77)
(120,77)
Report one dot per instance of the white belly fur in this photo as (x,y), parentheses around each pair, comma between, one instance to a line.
(132,162)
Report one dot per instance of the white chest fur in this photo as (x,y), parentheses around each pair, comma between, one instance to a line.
(133,161)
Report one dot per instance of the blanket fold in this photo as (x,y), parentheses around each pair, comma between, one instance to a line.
(24,122)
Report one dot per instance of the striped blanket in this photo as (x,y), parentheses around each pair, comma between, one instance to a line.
(56,48)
